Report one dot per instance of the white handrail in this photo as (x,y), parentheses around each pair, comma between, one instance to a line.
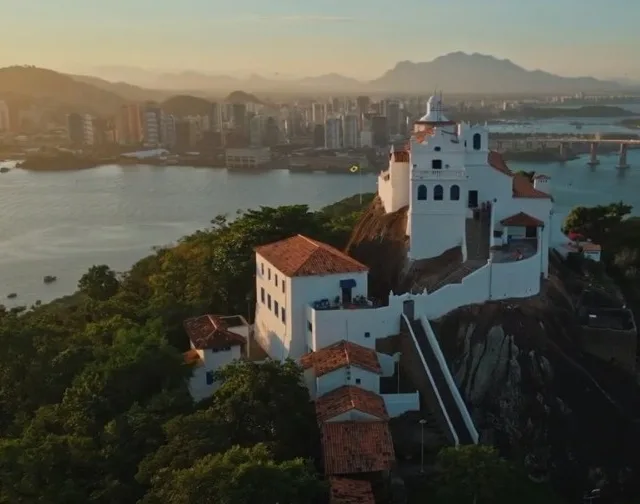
(457,397)
(456,440)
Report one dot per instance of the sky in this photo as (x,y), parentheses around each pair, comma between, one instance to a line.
(357,38)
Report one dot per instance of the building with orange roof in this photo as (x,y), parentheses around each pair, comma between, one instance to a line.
(215,341)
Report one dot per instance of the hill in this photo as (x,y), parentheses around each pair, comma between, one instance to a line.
(56,89)
(123,89)
(460,72)
(185,105)
(243,97)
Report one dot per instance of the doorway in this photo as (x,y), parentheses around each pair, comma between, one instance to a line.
(531,232)
(347,297)
(408,309)
(473,199)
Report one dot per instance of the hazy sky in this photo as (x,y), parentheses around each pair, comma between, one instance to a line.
(359,38)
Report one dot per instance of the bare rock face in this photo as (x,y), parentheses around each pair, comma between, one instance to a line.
(535,395)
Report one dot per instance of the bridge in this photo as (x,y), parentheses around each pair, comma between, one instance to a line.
(565,144)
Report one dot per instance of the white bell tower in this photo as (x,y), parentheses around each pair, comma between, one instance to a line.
(438,186)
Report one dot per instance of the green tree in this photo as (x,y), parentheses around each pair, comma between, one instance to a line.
(601,223)
(99,283)
(474,474)
(239,476)
(267,403)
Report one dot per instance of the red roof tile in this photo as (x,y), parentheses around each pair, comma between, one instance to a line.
(356,447)
(522,186)
(339,355)
(211,332)
(347,398)
(192,357)
(302,256)
(350,491)
(521,219)
(400,156)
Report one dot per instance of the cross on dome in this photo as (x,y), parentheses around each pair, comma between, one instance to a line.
(435,111)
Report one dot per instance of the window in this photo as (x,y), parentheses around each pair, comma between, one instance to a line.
(454,193)
(283,285)
(283,315)
(358,381)
(437,148)
(262,294)
(262,268)
(367,335)
(269,273)
(477,141)
(438,193)
(269,301)
(276,276)
(422,192)
(276,307)
(209,377)
(436,164)
(309,326)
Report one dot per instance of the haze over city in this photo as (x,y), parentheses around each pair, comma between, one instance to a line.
(291,38)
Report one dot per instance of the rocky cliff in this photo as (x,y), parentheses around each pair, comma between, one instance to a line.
(535,394)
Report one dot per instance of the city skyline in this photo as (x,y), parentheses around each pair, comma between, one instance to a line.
(565,37)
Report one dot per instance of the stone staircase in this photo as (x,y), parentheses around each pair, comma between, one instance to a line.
(458,274)
(478,233)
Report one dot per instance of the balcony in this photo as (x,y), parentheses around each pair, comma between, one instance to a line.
(442,174)
(357,303)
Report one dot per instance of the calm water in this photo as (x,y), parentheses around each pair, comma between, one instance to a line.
(62,223)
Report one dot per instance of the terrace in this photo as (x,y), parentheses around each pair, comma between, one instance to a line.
(338,303)
(516,250)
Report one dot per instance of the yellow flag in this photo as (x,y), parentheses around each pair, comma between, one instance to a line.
(354,168)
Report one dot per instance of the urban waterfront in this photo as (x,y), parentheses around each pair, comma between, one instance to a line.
(61,223)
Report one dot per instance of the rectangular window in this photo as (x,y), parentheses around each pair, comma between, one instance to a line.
(262,268)
(276,308)
(269,301)
(284,316)
(309,326)
(269,274)
(283,285)
(276,279)
(209,377)
(262,294)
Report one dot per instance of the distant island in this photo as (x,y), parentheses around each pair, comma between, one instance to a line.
(631,123)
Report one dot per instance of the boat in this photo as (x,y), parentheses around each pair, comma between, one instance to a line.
(50,279)
(4,169)
(13,295)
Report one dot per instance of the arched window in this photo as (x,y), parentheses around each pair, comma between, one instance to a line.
(454,193)
(477,141)
(422,192)
(438,193)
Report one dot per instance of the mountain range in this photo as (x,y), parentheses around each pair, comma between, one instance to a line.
(454,73)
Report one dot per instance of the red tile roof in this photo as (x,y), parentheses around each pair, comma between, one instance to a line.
(350,491)
(521,219)
(192,357)
(400,156)
(356,447)
(347,398)
(339,355)
(302,256)
(211,332)
(522,186)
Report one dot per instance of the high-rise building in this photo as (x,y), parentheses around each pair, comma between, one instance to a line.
(318,135)
(333,133)
(392,111)
(185,135)
(215,117)
(239,114)
(271,132)
(129,125)
(87,130)
(152,124)
(350,131)
(256,130)
(319,113)
(169,131)
(379,131)
(75,129)
(5,118)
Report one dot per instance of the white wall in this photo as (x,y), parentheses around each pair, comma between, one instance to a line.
(211,362)
(398,404)
(348,376)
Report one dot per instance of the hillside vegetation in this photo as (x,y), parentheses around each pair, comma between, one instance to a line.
(56,89)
